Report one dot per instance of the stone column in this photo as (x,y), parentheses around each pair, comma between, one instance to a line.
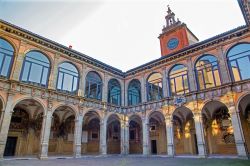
(124,137)
(17,68)
(191,75)
(170,136)
(143,90)
(105,88)
(78,136)
(5,124)
(222,63)
(200,134)
(145,135)
(103,137)
(53,73)
(123,92)
(238,133)
(168,88)
(164,83)
(45,134)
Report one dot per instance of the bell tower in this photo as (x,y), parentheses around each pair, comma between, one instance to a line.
(175,35)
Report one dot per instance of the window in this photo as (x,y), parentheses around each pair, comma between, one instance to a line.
(93,87)
(36,68)
(68,77)
(178,78)
(207,72)
(154,87)
(238,58)
(6,56)
(134,92)
(114,92)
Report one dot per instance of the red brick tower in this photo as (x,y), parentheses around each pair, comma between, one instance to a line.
(175,35)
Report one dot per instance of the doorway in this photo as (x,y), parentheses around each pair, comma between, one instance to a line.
(153,147)
(10,146)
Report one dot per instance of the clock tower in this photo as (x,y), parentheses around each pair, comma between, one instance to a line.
(175,35)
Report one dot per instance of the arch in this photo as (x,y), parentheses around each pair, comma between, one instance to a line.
(135,134)
(75,112)
(134,116)
(154,86)
(114,92)
(134,92)
(36,68)
(67,71)
(7,52)
(93,85)
(2,102)
(152,113)
(178,79)
(238,59)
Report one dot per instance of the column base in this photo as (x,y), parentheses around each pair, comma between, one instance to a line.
(43,157)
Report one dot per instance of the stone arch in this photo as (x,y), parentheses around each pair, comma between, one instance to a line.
(243,107)
(41,51)
(135,134)
(25,127)
(157,133)
(74,110)
(11,43)
(184,131)
(218,130)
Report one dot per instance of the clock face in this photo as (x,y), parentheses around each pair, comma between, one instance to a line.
(172,43)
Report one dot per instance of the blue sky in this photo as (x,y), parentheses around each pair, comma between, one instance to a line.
(121,33)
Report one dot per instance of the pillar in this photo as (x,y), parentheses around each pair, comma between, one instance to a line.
(222,62)
(45,133)
(78,136)
(191,75)
(103,137)
(170,136)
(164,83)
(200,134)
(53,73)
(143,90)
(238,133)
(105,88)
(124,137)
(145,136)
(4,128)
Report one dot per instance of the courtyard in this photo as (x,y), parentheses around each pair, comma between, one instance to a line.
(126,161)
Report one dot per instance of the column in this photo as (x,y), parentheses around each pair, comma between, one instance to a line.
(82,81)
(145,136)
(124,137)
(238,133)
(4,128)
(222,62)
(143,90)
(167,83)
(45,133)
(164,83)
(191,75)
(103,137)
(78,136)
(54,71)
(200,134)
(105,88)
(170,136)
(19,61)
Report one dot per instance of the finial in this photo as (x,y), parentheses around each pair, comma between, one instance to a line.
(169,10)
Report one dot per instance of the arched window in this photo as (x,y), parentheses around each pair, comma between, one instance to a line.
(239,61)
(114,92)
(36,67)
(93,87)
(178,78)
(134,92)
(68,77)
(154,87)
(207,72)
(6,56)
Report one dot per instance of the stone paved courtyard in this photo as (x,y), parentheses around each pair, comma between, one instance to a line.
(127,161)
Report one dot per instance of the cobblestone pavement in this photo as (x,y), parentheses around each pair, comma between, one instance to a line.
(127,161)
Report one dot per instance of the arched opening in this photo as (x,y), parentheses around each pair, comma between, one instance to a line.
(218,129)
(25,129)
(185,142)
(157,134)
(178,80)
(114,92)
(154,87)
(135,135)
(113,135)
(244,108)
(91,133)
(134,92)
(207,72)
(61,138)
(93,87)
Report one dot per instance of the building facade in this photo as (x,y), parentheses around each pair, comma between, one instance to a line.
(194,100)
